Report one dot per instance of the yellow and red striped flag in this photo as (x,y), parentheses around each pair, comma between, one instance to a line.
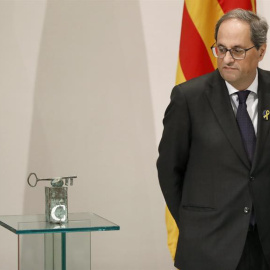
(195,56)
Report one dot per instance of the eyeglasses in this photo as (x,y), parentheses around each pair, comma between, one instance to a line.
(236,53)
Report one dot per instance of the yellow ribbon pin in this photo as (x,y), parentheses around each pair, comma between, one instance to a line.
(266,114)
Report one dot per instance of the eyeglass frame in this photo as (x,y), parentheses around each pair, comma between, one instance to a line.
(229,50)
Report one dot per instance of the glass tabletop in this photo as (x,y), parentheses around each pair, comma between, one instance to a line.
(77,222)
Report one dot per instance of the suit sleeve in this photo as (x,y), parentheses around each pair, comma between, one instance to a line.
(174,151)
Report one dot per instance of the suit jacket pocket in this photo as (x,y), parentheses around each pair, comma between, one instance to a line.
(198,208)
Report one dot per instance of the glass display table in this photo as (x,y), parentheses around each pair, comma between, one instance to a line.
(43,245)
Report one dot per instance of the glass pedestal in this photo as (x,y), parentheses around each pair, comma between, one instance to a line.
(47,246)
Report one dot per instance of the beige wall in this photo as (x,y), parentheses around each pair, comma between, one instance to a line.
(84,85)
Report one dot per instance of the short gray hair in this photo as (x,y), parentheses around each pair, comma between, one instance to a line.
(258,25)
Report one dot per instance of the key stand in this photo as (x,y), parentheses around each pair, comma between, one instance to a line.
(57,240)
(56,197)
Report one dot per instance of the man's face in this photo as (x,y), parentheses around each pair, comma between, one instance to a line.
(239,73)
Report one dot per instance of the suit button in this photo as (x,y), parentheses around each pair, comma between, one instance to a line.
(251,178)
(246,210)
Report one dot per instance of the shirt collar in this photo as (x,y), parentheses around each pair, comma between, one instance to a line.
(253,87)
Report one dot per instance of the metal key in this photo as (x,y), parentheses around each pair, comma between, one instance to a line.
(55,182)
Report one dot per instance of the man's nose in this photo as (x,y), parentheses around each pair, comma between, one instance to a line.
(228,58)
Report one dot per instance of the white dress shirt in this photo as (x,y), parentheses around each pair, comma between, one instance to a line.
(252,100)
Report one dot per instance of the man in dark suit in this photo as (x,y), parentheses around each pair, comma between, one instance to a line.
(214,162)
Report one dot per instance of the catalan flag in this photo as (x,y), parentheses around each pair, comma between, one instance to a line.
(195,56)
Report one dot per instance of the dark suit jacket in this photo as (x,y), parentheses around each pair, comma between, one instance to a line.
(206,178)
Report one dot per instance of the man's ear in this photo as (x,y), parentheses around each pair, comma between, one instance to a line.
(262,51)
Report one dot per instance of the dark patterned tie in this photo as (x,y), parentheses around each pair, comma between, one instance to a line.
(247,133)
(245,125)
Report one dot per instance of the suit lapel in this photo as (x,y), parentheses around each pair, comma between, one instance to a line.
(263,125)
(218,96)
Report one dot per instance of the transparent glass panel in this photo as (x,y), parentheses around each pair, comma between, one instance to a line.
(59,251)
(79,222)
(31,251)
(43,245)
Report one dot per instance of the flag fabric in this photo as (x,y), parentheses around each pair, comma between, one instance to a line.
(196,58)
